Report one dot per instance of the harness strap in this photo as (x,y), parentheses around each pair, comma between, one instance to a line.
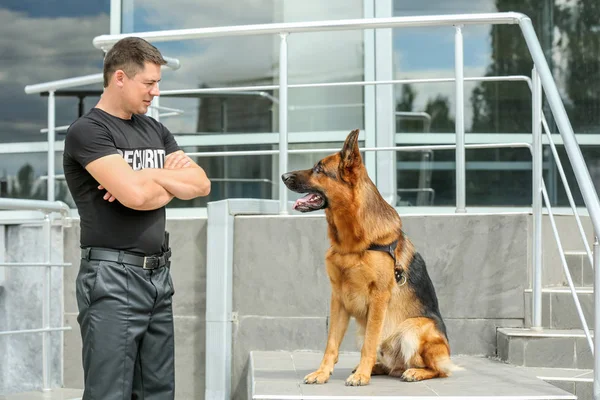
(390,249)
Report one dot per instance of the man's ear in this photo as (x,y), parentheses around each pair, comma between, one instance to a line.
(350,154)
(119,77)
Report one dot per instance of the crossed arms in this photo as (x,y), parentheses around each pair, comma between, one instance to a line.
(151,188)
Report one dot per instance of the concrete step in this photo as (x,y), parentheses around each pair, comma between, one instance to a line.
(550,348)
(54,394)
(581,270)
(558,307)
(279,375)
(575,381)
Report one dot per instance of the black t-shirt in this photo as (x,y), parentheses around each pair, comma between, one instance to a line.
(143,143)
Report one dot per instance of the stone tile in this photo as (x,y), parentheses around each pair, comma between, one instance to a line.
(570,239)
(477,263)
(516,351)
(476,336)
(190,353)
(575,264)
(268,360)
(384,386)
(567,386)
(188,266)
(73,369)
(254,333)
(549,352)
(588,272)
(564,312)
(54,394)
(584,390)
(503,348)
(285,388)
(546,309)
(481,377)
(583,354)
(280,272)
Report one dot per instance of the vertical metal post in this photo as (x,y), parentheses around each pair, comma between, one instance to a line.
(536,205)
(283,120)
(596,391)
(51,141)
(460,121)
(46,348)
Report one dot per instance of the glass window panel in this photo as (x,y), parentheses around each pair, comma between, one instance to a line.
(41,42)
(570,36)
(320,57)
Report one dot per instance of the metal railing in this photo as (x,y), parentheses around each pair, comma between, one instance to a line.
(542,82)
(47,208)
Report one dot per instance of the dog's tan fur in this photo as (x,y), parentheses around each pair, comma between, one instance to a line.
(397,338)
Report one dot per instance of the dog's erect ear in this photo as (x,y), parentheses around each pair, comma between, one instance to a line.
(350,154)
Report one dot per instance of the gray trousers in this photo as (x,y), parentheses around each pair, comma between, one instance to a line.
(126,321)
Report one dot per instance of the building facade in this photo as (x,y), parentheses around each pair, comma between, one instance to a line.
(54,41)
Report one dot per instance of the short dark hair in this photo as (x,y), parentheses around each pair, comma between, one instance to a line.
(130,54)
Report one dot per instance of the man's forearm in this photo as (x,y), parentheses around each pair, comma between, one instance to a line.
(184,183)
(150,194)
(157,197)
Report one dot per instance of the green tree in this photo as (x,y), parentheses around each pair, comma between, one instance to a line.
(578,40)
(439,110)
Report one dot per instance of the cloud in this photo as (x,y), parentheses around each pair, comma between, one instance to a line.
(36,50)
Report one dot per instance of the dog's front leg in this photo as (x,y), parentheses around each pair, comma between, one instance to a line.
(368,355)
(338,324)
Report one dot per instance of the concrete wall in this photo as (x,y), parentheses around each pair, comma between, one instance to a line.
(479,264)
(21,299)
(281,291)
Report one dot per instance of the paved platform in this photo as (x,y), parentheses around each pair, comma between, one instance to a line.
(54,394)
(279,375)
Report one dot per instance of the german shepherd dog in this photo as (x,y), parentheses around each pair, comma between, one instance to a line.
(376,276)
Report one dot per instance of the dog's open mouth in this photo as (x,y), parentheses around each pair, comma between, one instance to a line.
(310,202)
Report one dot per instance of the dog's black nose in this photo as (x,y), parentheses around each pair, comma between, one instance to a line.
(288,176)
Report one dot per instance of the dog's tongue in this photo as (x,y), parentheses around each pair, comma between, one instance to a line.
(304,200)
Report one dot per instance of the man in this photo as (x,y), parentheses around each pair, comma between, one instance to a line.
(122,167)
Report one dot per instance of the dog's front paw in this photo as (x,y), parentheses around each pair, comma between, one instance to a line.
(357,379)
(319,376)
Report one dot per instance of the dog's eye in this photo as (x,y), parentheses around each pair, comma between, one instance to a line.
(318,169)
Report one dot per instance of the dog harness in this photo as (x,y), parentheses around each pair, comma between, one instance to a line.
(390,249)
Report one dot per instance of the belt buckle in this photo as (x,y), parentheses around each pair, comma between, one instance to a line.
(148,263)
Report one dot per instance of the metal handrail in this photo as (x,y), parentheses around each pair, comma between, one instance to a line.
(47,207)
(35,205)
(283,29)
(104,42)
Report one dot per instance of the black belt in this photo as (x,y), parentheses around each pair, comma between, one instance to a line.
(125,257)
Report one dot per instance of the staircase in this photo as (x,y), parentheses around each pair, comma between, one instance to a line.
(559,353)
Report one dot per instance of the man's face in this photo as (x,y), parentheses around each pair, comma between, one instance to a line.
(139,90)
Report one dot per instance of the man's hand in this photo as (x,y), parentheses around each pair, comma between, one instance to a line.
(107,195)
(177,160)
